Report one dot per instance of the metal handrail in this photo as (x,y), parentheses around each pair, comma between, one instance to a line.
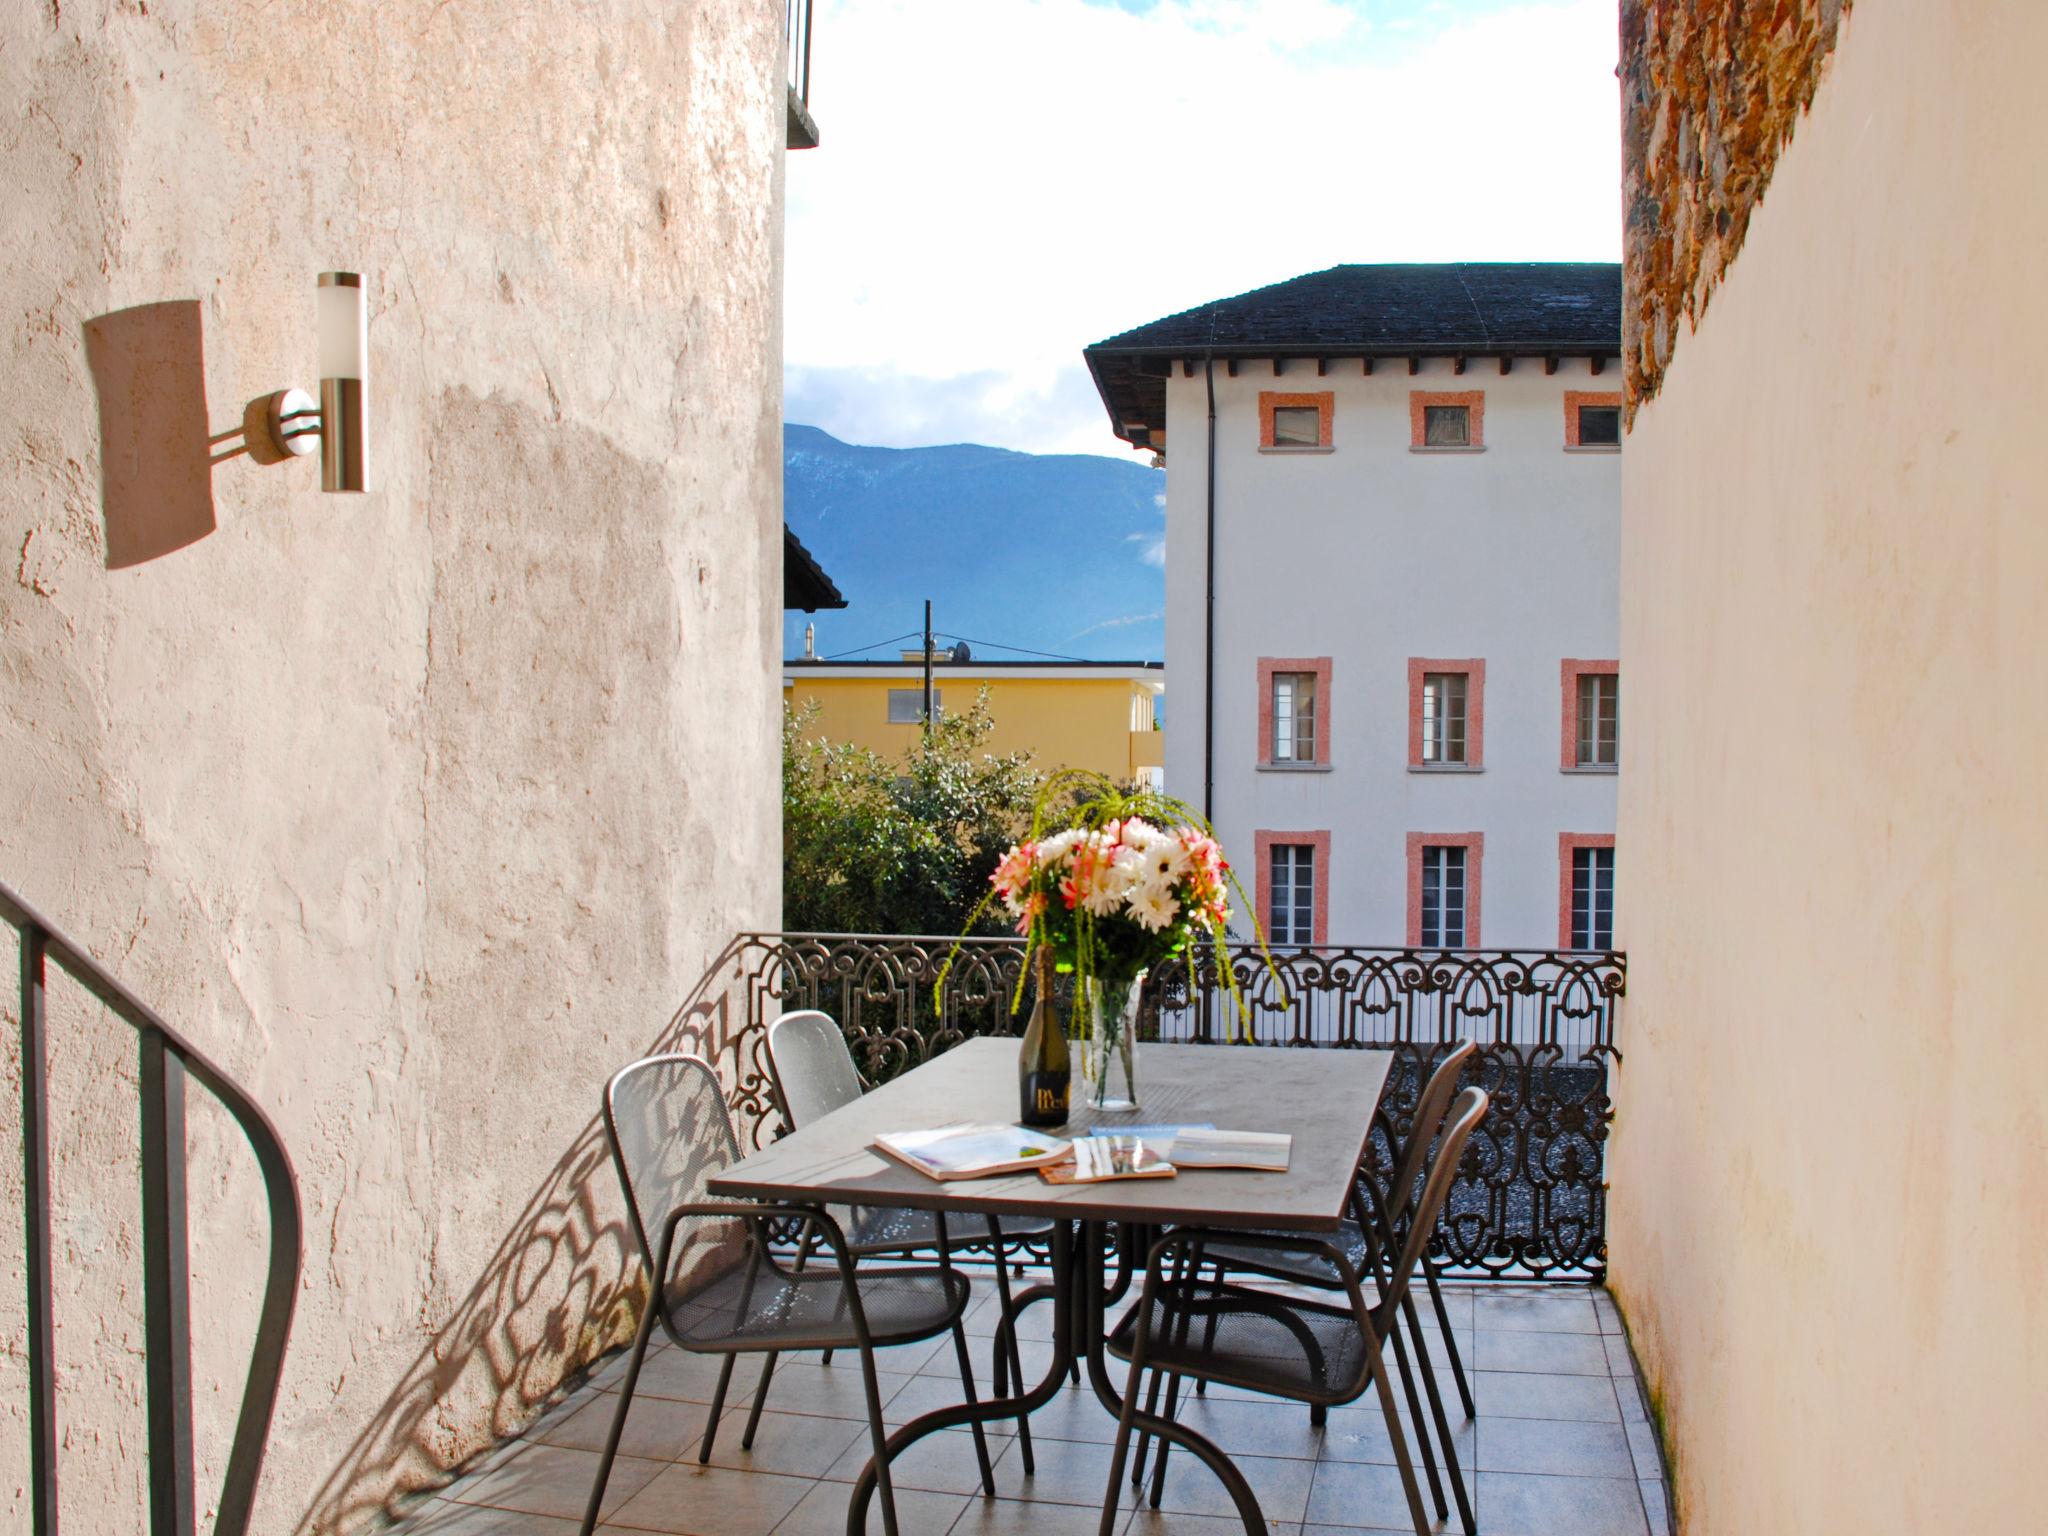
(167,1058)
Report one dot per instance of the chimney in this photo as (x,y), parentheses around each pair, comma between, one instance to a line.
(810,642)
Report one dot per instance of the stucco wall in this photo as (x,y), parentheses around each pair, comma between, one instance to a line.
(1371,554)
(419,810)
(1829,1210)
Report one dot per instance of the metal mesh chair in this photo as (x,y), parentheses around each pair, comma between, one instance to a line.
(1378,1228)
(714,1283)
(813,1073)
(1192,1323)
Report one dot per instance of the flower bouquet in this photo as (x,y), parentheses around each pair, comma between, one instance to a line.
(1114,884)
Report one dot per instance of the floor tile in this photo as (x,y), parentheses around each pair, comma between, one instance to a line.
(1629,1393)
(939,1463)
(1605,1309)
(678,1374)
(443,1518)
(658,1428)
(1518,1505)
(690,1500)
(1540,1311)
(1274,1428)
(1642,1442)
(1657,1507)
(794,1444)
(1619,1361)
(1558,1354)
(834,1391)
(822,1512)
(1035,1353)
(1525,1396)
(928,1394)
(1554,1446)
(1360,1434)
(1162,1522)
(1074,1472)
(1367,1495)
(1038,1517)
(554,1480)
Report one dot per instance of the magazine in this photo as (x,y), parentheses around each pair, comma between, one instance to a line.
(973,1151)
(1100,1158)
(1206,1147)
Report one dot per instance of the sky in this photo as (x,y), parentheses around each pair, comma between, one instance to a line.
(1002,182)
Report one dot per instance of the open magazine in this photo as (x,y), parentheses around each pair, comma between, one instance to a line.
(973,1151)
(1207,1147)
(1100,1158)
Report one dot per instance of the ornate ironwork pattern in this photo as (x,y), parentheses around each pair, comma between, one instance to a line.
(1531,1201)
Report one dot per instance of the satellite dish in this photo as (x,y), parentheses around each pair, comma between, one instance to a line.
(960,651)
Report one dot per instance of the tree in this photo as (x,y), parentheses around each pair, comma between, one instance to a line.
(873,846)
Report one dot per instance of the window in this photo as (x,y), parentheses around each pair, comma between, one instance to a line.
(1592,912)
(1446,426)
(1599,426)
(1443,717)
(1589,740)
(906,706)
(1291,880)
(1294,712)
(1297,426)
(1295,420)
(1592,419)
(1599,744)
(1443,897)
(1294,717)
(1446,418)
(1443,889)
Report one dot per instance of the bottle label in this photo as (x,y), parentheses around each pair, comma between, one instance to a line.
(1045,1097)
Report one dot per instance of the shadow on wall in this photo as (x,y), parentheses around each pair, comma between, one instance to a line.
(562,1289)
(156,470)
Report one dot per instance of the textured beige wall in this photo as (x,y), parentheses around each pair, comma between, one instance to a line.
(419,810)
(1829,1223)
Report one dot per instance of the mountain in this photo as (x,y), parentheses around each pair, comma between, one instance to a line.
(1049,552)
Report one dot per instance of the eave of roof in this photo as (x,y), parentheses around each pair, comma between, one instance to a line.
(1456,309)
(804,582)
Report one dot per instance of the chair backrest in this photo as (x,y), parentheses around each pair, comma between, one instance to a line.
(812,1069)
(1431,1105)
(1464,1118)
(666,1120)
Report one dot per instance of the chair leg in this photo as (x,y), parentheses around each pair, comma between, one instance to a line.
(611,1440)
(1392,1415)
(1110,1505)
(1443,1427)
(1016,1355)
(760,1397)
(717,1408)
(825,1357)
(1159,1461)
(883,1481)
(1443,1318)
(988,1476)
(1436,1487)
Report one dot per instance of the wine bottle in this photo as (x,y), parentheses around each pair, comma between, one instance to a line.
(1043,1071)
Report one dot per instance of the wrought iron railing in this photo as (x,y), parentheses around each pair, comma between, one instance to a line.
(1531,1201)
(166,1061)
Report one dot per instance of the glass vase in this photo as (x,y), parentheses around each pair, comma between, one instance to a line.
(1108,1055)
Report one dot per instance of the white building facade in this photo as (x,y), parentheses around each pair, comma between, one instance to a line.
(1394,603)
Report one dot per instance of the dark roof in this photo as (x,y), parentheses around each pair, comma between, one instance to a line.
(1476,308)
(804,582)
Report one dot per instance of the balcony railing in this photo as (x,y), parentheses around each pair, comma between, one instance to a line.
(803,129)
(1532,1199)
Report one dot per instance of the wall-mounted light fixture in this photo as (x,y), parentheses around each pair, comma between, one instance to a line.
(337,425)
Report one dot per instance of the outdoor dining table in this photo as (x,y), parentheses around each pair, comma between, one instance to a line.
(1325,1099)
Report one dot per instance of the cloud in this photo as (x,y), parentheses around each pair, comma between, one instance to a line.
(1002,183)
(1127,621)
(1154,552)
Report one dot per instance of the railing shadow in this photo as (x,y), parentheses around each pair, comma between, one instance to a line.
(563,1288)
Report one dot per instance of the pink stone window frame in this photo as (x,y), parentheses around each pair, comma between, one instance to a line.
(1569,671)
(1474,669)
(1270,400)
(1474,844)
(1262,887)
(1319,668)
(1569,843)
(1573,399)
(1419,402)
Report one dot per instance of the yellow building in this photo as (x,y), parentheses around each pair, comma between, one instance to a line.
(1067,714)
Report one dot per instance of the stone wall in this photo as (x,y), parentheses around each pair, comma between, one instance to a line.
(418,810)
(1711,93)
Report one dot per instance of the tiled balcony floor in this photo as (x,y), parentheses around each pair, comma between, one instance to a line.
(1561,1446)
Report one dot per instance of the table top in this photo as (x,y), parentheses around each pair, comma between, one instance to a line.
(1323,1098)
